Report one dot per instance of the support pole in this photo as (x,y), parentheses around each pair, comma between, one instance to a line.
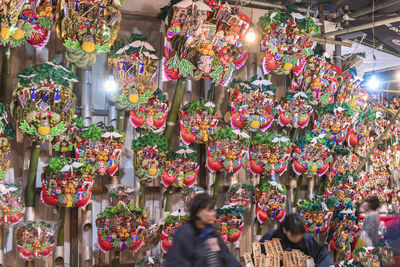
(216,185)
(298,189)
(5,75)
(86,259)
(362,27)
(173,111)
(59,250)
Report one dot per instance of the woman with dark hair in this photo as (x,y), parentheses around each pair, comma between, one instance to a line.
(197,243)
(371,222)
(292,235)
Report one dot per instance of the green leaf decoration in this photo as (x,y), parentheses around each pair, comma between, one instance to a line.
(198,105)
(174,62)
(116,243)
(216,75)
(45,23)
(58,129)
(151,139)
(186,68)
(129,243)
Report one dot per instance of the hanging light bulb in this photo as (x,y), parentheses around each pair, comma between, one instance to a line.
(110,85)
(373,82)
(251,35)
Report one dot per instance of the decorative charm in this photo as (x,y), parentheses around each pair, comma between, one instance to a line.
(67,183)
(269,154)
(135,68)
(121,227)
(102,148)
(12,206)
(344,236)
(295,112)
(252,104)
(334,122)
(321,78)
(204,41)
(87,28)
(317,213)
(345,164)
(40,14)
(43,104)
(151,115)
(35,239)
(240,194)
(229,222)
(149,159)
(286,40)
(311,155)
(66,142)
(227,149)
(13,30)
(181,168)
(188,194)
(172,222)
(120,193)
(271,202)
(198,120)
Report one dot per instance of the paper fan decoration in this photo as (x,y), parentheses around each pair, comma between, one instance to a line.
(67,183)
(269,154)
(121,227)
(317,213)
(41,15)
(171,223)
(204,41)
(240,194)
(151,115)
(149,160)
(43,103)
(319,77)
(35,239)
(253,105)
(87,28)
(286,40)
(270,201)
(181,168)
(12,205)
(198,120)
(345,234)
(102,147)
(311,155)
(13,29)
(227,150)
(229,222)
(295,112)
(134,64)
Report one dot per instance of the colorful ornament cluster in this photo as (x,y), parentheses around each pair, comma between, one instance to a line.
(204,41)
(270,199)
(43,104)
(134,67)
(87,28)
(171,223)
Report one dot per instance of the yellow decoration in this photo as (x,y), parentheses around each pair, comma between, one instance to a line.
(43,130)
(18,35)
(287,66)
(5,33)
(88,47)
(314,168)
(64,149)
(152,172)
(133,98)
(255,124)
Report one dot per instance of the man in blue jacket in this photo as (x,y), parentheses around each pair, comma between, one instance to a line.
(197,243)
(292,236)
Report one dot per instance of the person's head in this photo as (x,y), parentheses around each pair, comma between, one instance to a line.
(203,209)
(293,227)
(371,204)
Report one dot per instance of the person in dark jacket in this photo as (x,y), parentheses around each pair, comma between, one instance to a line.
(292,235)
(197,243)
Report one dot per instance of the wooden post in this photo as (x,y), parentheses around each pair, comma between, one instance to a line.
(5,74)
(216,185)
